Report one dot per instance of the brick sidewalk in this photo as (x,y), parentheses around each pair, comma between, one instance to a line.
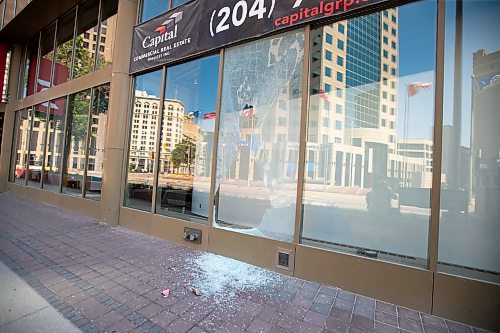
(109,280)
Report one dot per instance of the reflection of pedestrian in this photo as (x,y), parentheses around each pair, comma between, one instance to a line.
(378,200)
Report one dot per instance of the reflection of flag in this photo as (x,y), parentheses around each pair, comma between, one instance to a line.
(415,87)
(248,110)
(323,95)
(210,115)
(192,115)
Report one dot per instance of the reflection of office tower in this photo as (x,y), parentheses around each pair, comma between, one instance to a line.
(106,42)
(485,141)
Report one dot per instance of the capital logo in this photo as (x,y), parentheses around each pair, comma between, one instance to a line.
(169,23)
(166,31)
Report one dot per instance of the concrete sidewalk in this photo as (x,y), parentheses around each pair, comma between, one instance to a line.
(24,310)
(109,279)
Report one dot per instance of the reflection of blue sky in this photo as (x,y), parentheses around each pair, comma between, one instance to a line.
(150,82)
(417,59)
(194,84)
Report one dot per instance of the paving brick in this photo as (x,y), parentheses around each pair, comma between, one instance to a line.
(433,321)
(150,310)
(259,326)
(107,279)
(410,325)
(386,318)
(408,313)
(456,327)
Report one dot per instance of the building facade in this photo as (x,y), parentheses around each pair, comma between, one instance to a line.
(340,147)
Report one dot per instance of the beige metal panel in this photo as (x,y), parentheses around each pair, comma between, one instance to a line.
(403,285)
(118,112)
(71,203)
(90,80)
(135,220)
(111,194)
(127,14)
(470,301)
(5,156)
(8,125)
(251,249)
(164,227)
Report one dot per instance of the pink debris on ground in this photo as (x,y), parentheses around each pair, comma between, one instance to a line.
(165,292)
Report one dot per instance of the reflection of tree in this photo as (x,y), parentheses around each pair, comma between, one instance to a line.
(76,131)
(184,153)
(83,59)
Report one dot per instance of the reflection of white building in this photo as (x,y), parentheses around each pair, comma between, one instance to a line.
(485,141)
(144,130)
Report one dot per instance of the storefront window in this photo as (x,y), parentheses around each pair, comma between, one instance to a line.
(152,8)
(368,178)
(20,158)
(37,144)
(143,134)
(96,144)
(256,184)
(76,138)
(46,57)
(86,40)
(470,185)
(187,134)
(107,34)
(64,49)
(54,146)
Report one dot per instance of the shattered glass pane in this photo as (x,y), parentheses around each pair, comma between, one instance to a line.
(258,144)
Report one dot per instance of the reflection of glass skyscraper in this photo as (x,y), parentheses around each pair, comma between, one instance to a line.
(352,115)
(363,72)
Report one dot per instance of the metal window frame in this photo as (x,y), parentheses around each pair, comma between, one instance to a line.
(73,49)
(212,216)
(98,41)
(87,142)
(159,123)
(63,162)
(304,112)
(49,109)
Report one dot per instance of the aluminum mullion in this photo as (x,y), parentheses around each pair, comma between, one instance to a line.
(20,83)
(73,50)
(302,137)
(63,164)
(98,42)
(158,129)
(44,144)
(47,117)
(87,141)
(28,147)
(213,174)
(438,136)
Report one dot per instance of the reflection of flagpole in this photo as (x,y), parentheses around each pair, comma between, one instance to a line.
(405,136)
(250,149)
